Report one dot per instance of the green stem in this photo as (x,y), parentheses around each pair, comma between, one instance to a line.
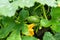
(48,9)
(37,7)
(44,13)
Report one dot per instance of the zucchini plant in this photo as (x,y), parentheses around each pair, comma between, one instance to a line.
(21,19)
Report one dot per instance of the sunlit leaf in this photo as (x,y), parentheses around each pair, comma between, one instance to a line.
(48,36)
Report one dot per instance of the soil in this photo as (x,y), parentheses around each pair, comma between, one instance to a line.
(41,32)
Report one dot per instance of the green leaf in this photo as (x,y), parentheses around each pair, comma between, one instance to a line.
(28,38)
(57,36)
(45,23)
(56,26)
(51,3)
(8,25)
(25,29)
(48,36)
(5,31)
(55,12)
(7,9)
(25,3)
(23,14)
(6,21)
(15,35)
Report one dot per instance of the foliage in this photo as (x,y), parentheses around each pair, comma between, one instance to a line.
(48,36)
(20,19)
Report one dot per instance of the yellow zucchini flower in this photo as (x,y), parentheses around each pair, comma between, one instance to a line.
(30,29)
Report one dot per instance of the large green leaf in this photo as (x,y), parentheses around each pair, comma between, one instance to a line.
(25,3)
(45,23)
(15,35)
(7,9)
(51,3)
(56,26)
(5,31)
(48,36)
(30,3)
(28,38)
(8,25)
(55,12)
(6,21)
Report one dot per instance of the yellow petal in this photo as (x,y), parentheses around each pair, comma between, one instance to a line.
(30,29)
(30,26)
(31,32)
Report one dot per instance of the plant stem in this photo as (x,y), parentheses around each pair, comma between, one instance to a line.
(44,13)
(37,7)
(48,9)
